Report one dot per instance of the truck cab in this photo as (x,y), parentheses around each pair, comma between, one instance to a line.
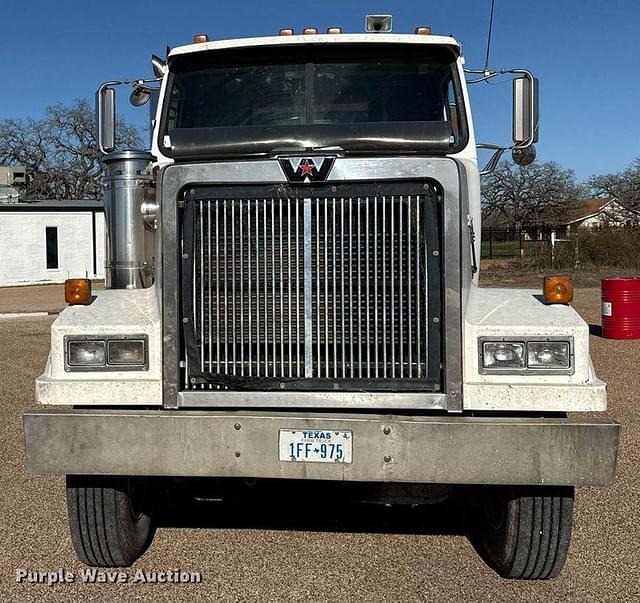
(292,293)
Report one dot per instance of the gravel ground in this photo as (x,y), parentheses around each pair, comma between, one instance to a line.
(267,551)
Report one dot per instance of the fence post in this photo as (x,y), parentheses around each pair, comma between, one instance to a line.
(553,247)
(520,248)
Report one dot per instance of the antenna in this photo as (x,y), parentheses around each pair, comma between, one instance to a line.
(486,60)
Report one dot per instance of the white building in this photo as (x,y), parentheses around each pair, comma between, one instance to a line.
(50,241)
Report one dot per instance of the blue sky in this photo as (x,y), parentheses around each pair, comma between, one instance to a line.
(585,52)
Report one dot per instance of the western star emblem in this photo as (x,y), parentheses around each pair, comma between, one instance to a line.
(306,169)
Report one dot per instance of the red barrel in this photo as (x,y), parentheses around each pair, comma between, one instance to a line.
(621,307)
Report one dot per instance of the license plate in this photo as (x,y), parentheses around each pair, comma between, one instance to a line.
(315,446)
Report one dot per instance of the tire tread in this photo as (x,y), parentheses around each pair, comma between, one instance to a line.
(102,533)
(538,531)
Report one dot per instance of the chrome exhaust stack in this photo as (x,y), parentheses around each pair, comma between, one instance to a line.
(128,185)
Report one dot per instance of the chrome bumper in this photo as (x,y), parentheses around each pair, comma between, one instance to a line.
(388,448)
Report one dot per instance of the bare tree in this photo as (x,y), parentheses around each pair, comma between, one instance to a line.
(525,196)
(59,151)
(624,187)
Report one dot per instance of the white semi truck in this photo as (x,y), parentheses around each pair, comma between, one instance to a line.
(292,293)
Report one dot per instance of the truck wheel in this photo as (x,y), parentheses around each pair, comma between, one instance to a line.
(526,531)
(109,519)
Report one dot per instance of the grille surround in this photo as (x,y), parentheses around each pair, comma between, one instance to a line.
(319,363)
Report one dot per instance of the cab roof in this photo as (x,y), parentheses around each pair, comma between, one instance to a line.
(319,39)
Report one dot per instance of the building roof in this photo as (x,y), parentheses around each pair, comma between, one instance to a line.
(61,205)
(582,209)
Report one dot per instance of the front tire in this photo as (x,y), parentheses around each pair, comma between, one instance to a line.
(526,531)
(109,519)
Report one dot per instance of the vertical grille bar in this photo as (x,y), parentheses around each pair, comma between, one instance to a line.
(325,269)
(384,287)
(289,316)
(225,280)
(202,281)
(265,274)
(334,269)
(234,358)
(418,313)
(367,281)
(343,301)
(359,269)
(400,289)
(241,243)
(409,299)
(350,237)
(392,210)
(217,287)
(308,289)
(375,285)
(281,272)
(250,298)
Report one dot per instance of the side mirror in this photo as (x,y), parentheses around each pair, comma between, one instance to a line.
(106,118)
(525,110)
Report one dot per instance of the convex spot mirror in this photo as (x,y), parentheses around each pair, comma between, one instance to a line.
(523,156)
(139,96)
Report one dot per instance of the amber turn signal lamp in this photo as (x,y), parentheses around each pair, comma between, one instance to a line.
(423,31)
(77,291)
(558,289)
(200,38)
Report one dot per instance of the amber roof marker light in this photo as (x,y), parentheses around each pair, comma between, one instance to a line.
(286,31)
(423,31)
(77,291)
(558,289)
(200,38)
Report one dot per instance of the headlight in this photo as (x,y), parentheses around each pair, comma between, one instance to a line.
(86,353)
(126,351)
(548,354)
(523,356)
(99,353)
(503,354)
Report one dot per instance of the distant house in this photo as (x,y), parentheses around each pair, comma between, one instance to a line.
(597,212)
(581,213)
(50,241)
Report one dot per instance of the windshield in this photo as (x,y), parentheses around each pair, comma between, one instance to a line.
(322,86)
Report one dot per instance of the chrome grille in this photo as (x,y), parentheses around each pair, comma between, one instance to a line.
(279,291)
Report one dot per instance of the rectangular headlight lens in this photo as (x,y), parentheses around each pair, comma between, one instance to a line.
(86,353)
(503,354)
(128,352)
(548,354)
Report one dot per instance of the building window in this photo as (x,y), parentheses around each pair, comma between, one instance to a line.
(52,247)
